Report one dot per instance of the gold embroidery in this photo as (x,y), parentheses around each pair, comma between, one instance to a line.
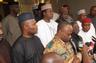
(64,50)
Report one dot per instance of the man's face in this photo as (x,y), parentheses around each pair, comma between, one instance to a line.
(94,11)
(53,58)
(1,31)
(15,8)
(83,16)
(86,27)
(49,13)
(66,32)
(64,10)
(30,26)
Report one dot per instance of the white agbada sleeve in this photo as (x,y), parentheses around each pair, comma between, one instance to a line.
(45,33)
(41,33)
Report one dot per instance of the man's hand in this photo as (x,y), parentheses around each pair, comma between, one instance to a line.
(85,48)
(86,57)
(76,60)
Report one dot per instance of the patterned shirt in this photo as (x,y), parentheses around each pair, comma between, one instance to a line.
(65,50)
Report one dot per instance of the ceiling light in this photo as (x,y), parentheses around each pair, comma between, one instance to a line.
(1,0)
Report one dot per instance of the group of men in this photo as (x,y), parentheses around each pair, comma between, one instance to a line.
(46,41)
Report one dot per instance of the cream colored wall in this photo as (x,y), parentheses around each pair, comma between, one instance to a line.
(26,5)
(74,4)
(80,4)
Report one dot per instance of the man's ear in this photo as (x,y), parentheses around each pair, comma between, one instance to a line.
(60,31)
(25,26)
(44,13)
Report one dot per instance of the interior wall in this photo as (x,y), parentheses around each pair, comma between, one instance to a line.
(74,4)
(80,4)
(57,3)
(26,5)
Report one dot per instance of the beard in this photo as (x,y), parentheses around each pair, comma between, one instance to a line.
(31,33)
(67,39)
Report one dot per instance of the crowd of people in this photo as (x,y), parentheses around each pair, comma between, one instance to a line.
(45,36)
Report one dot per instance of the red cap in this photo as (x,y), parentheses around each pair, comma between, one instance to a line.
(87,20)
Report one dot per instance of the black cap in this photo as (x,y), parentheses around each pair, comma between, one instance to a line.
(25,16)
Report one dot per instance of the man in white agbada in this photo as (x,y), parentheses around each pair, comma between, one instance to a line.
(86,32)
(47,28)
(82,15)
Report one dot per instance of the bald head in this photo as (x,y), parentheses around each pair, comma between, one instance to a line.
(62,24)
(52,58)
(64,31)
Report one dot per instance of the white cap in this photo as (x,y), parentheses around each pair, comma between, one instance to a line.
(82,11)
(46,6)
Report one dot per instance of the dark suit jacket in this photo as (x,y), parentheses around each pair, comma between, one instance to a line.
(76,39)
(5,52)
